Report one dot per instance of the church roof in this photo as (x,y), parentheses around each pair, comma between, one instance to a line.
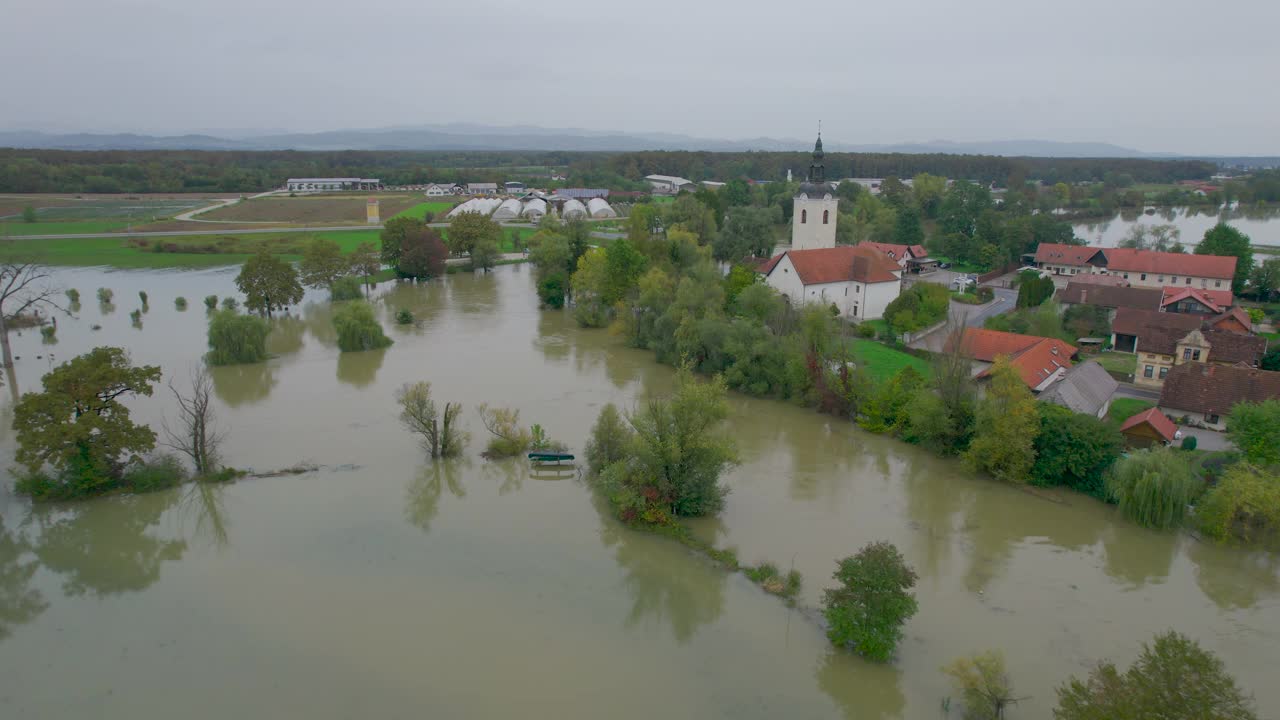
(837,264)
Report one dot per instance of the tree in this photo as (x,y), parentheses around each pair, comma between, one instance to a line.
(25,287)
(358,329)
(29,214)
(78,425)
(1006,426)
(507,437)
(1225,240)
(588,283)
(423,254)
(366,263)
(394,231)
(484,253)
(908,230)
(1255,429)
(469,229)
(928,191)
(748,232)
(1154,487)
(737,192)
(874,600)
(676,455)
(197,435)
(983,684)
(236,339)
(440,436)
(623,267)
(1074,449)
(1265,279)
(1173,679)
(610,438)
(268,283)
(323,263)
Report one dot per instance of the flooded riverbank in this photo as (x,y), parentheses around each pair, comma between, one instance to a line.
(386,585)
(1260,223)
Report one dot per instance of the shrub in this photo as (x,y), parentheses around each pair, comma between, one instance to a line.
(1074,449)
(346,288)
(229,303)
(920,306)
(180,303)
(404,317)
(157,473)
(767,576)
(983,684)
(866,613)
(49,334)
(865,330)
(142,295)
(358,329)
(1189,442)
(1154,487)
(236,339)
(1245,503)
(105,295)
(211,302)
(136,317)
(508,438)
(1255,429)
(609,438)
(73,295)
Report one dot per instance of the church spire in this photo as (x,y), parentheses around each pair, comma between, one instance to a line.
(817,171)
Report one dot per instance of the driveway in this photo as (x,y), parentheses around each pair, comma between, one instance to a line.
(1208,439)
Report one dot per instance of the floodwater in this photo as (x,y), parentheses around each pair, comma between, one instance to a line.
(385,585)
(1260,223)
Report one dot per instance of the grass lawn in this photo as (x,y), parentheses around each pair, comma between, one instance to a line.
(183,251)
(960,267)
(881,361)
(70,227)
(1115,361)
(435,207)
(1123,408)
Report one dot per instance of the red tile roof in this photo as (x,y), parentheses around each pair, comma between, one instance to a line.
(1238,315)
(918,251)
(1035,358)
(1213,389)
(838,264)
(897,252)
(1156,419)
(1215,300)
(1076,293)
(1150,261)
(1060,254)
(1133,321)
(1099,279)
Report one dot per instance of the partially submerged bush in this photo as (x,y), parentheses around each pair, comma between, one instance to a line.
(346,288)
(211,302)
(508,438)
(983,684)
(404,317)
(440,435)
(105,295)
(358,329)
(162,471)
(49,334)
(235,339)
(767,576)
(180,303)
(142,295)
(866,613)
(1154,487)
(230,303)
(609,439)
(73,296)
(1244,503)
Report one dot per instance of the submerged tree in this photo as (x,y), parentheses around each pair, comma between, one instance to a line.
(983,684)
(609,439)
(25,287)
(358,329)
(268,283)
(196,435)
(323,263)
(866,613)
(440,435)
(235,339)
(365,263)
(78,425)
(508,438)
(1154,487)
(1006,427)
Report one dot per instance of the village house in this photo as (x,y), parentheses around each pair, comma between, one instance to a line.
(1086,388)
(1060,259)
(1140,268)
(1163,341)
(1195,301)
(1205,393)
(1149,428)
(1112,298)
(859,281)
(482,188)
(912,258)
(1040,361)
(443,189)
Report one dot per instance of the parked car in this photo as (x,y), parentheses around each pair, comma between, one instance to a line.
(944,265)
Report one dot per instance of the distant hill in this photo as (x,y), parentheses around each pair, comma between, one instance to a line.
(463,136)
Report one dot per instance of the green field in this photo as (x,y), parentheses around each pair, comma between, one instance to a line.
(1123,408)
(185,251)
(16,229)
(881,361)
(421,209)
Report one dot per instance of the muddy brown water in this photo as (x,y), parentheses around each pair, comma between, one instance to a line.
(385,585)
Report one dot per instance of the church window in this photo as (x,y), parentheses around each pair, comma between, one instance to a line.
(804,216)
(826,216)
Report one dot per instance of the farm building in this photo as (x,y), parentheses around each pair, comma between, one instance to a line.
(443,190)
(534,209)
(331,184)
(482,188)
(511,187)
(509,210)
(573,209)
(583,193)
(1147,428)
(598,208)
(669,183)
(483,206)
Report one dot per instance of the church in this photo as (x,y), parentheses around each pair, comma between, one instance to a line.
(860,281)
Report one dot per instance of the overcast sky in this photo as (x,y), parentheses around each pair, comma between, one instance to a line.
(1174,75)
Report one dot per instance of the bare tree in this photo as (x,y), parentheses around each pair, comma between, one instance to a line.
(24,287)
(197,435)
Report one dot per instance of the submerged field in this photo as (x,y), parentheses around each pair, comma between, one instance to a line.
(177,251)
(313,209)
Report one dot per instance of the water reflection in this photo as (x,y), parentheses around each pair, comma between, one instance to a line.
(668,584)
(106,546)
(287,333)
(319,320)
(1139,557)
(247,384)
(476,297)
(861,689)
(19,602)
(551,339)
(422,496)
(934,509)
(1234,577)
(509,474)
(424,299)
(360,368)
(205,503)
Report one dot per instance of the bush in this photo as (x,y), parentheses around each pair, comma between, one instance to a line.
(49,333)
(866,613)
(1189,442)
(1154,487)
(865,330)
(920,306)
(609,438)
(404,317)
(105,295)
(230,303)
(508,438)
(346,288)
(1244,503)
(358,329)
(211,302)
(157,473)
(180,303)
(985,294)
(73,295)
(1074,449)
(1255,429)
(235,339)
(142,295)
(136,317)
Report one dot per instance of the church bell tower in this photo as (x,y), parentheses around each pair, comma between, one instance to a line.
(815,207)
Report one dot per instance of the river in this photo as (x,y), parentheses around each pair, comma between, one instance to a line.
(1261,224)
(388,586)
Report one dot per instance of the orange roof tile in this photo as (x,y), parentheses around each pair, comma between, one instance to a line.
(1156,419)
(1150,261)
(1065,254)
(838,264)
(1035,358)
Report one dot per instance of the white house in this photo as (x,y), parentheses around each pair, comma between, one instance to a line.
(482,188)
(443,190)
(860,281)
(814,208)
(598,208)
